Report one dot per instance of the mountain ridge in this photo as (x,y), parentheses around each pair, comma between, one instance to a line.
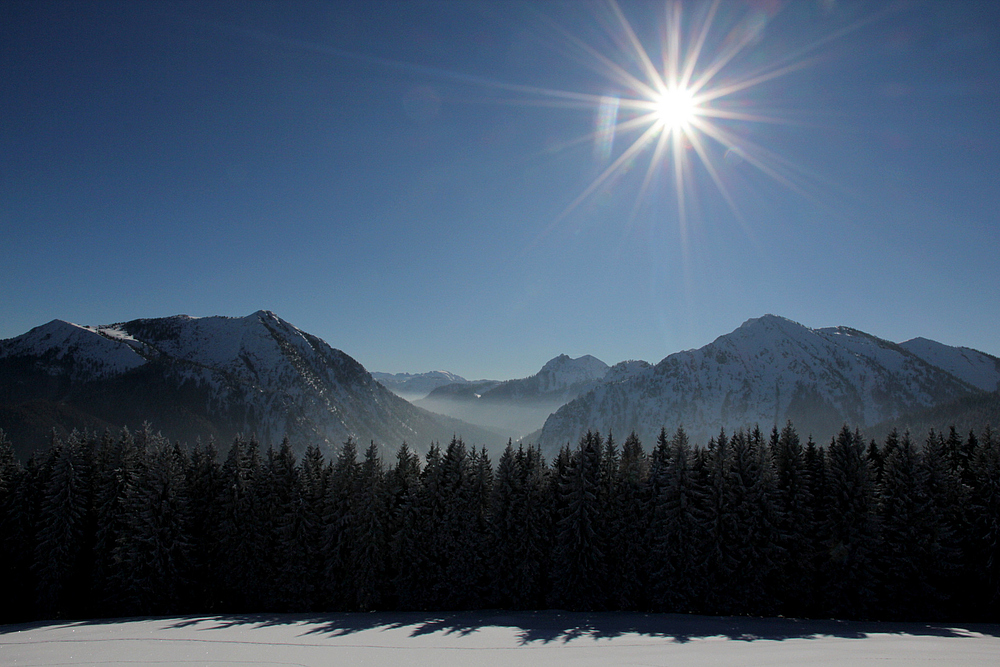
(768,370)
(219,376)
(253,375)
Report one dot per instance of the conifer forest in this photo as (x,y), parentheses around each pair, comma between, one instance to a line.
(748,524)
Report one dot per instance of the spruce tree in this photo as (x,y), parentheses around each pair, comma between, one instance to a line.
(911,545)
(578,569)
(851,529)
(950,504)
(456,531)
(677,530)
(340,528)
(766,517)
(969,457)
(481,480)
(609,501)
(240,538)
(534,580)
(205,486)
(985,552)
(797,591)
(877,460)
(751,513)
(287,535)
(14,544)
(368,561)
(956,454)
(504,527)
(634,523)
(60,554)
(426,579)
(154,548)
(26,520)
(520,530)
(406,534)
(721,564)
(308,531)
(116,475)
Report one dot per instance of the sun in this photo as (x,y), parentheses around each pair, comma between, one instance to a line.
(676,108)
(684,105)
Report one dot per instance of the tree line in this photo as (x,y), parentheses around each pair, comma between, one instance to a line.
(748,524)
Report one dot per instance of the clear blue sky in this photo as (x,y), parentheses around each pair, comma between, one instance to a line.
(399,178)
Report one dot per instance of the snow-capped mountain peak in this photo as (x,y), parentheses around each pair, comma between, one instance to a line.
(562,372)
(83,353)
(254,374)
(766,371)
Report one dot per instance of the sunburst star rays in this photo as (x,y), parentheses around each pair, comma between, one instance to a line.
(683,111)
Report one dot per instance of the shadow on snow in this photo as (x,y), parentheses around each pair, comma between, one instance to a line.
(560,626)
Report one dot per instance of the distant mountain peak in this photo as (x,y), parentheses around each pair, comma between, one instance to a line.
(564,373)
(769,319)
(587,363)
(414,386)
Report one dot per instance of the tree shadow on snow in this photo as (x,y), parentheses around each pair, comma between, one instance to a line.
(559,626)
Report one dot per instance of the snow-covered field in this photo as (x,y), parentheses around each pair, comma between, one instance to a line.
(494,638)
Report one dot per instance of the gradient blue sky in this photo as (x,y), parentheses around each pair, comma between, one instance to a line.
(387,177)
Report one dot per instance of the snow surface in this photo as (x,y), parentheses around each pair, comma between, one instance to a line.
(547,639)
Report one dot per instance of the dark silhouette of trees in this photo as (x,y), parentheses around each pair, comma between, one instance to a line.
(132,524)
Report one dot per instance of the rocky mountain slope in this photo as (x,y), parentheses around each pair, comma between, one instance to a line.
(770,370)
(201,377)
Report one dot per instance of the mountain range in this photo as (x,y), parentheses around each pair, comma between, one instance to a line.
(215,377)
(205,377)
(768,371)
